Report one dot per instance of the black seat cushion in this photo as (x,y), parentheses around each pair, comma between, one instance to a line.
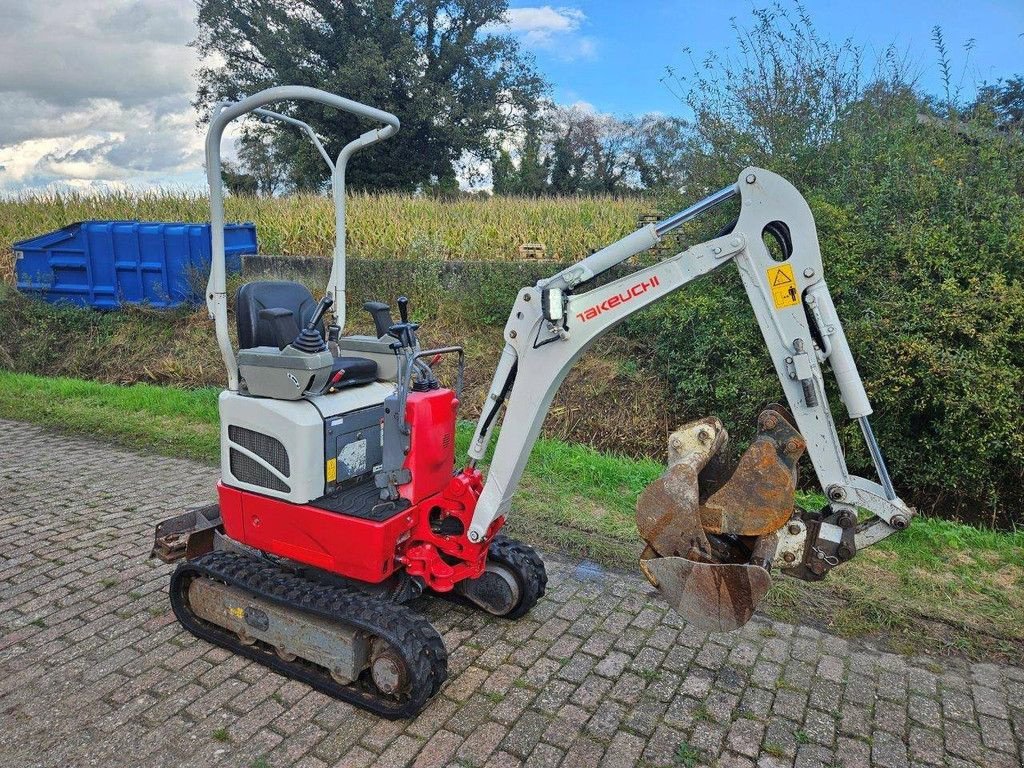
(296,298)
(357,370)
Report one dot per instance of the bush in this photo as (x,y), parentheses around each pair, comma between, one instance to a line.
(920,212)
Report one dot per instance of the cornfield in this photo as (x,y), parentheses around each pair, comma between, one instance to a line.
(379,225)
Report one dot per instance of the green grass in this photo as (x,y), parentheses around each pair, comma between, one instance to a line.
(174,422)
(686,755)
(939,586)
(702,714)
(773,749)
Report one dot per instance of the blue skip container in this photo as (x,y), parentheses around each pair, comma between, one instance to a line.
(103,264)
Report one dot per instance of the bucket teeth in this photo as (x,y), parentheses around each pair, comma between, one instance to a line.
(710,533)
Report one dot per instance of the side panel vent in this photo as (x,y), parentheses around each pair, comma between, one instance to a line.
(268,448)
(253,473)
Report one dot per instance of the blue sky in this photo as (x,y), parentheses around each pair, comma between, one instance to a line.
(103,109)
(612,54)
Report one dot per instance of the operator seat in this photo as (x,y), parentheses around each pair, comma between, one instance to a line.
(295,298)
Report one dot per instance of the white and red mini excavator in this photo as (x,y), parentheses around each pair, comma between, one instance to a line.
(340,499)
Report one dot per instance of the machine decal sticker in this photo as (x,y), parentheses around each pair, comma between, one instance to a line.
(332,470)
(353,456)
(783,286)
(618,299)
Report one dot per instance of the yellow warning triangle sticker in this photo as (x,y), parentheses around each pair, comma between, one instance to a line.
(783,286)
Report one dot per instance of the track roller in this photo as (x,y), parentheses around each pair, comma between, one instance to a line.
(514,581)
(375,654)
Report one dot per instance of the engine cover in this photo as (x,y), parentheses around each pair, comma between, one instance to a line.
(283,448)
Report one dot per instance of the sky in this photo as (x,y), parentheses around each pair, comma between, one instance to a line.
(95,93)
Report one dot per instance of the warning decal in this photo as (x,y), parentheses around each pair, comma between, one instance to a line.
(783,286)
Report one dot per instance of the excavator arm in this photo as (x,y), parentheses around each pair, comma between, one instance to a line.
(712,539)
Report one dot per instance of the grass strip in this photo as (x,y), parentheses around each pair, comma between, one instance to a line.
(940,586)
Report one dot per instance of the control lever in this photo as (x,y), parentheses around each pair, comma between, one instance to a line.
(404,331)
(310,340)
(318,314)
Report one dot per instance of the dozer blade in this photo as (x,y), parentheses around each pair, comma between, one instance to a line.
(711,534)
(186,535)
(713,597)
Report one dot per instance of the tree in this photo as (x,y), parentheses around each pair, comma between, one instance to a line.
(589,152)
(504,174)
(442,66)
(1005,100)
(528,175)
(577,151)
(238,181)
(658,151)
(774,100)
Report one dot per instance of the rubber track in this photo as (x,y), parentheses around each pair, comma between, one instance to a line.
(414,639)
(528,567)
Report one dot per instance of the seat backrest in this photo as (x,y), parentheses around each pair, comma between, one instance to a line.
(270,294)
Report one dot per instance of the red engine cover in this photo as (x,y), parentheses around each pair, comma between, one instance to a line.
(354,547)
(431,459)
(370,550)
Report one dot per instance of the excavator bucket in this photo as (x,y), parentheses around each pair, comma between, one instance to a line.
(715,597)
(711,533)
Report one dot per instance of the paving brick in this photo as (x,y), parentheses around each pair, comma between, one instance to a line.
(438,750)
(613,664)
(544,756)
(524,734)
(926,746)
(887,751)
(644,717)
(745,737)
(585,752)
(400,753)
(624,751)
(476,750)
(600,673)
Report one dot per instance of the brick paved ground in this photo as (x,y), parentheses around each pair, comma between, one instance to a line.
(94,671)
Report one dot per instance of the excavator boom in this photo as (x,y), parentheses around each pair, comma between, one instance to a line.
(713,536)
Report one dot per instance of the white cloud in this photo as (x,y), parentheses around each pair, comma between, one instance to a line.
(552,30)
(64,51)
(95,94)
(539,25)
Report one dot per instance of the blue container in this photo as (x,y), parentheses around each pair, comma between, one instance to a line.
(103,264)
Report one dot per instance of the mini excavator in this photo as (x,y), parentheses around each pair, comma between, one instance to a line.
(340,500)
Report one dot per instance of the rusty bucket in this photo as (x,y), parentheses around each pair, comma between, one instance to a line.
(711,532)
